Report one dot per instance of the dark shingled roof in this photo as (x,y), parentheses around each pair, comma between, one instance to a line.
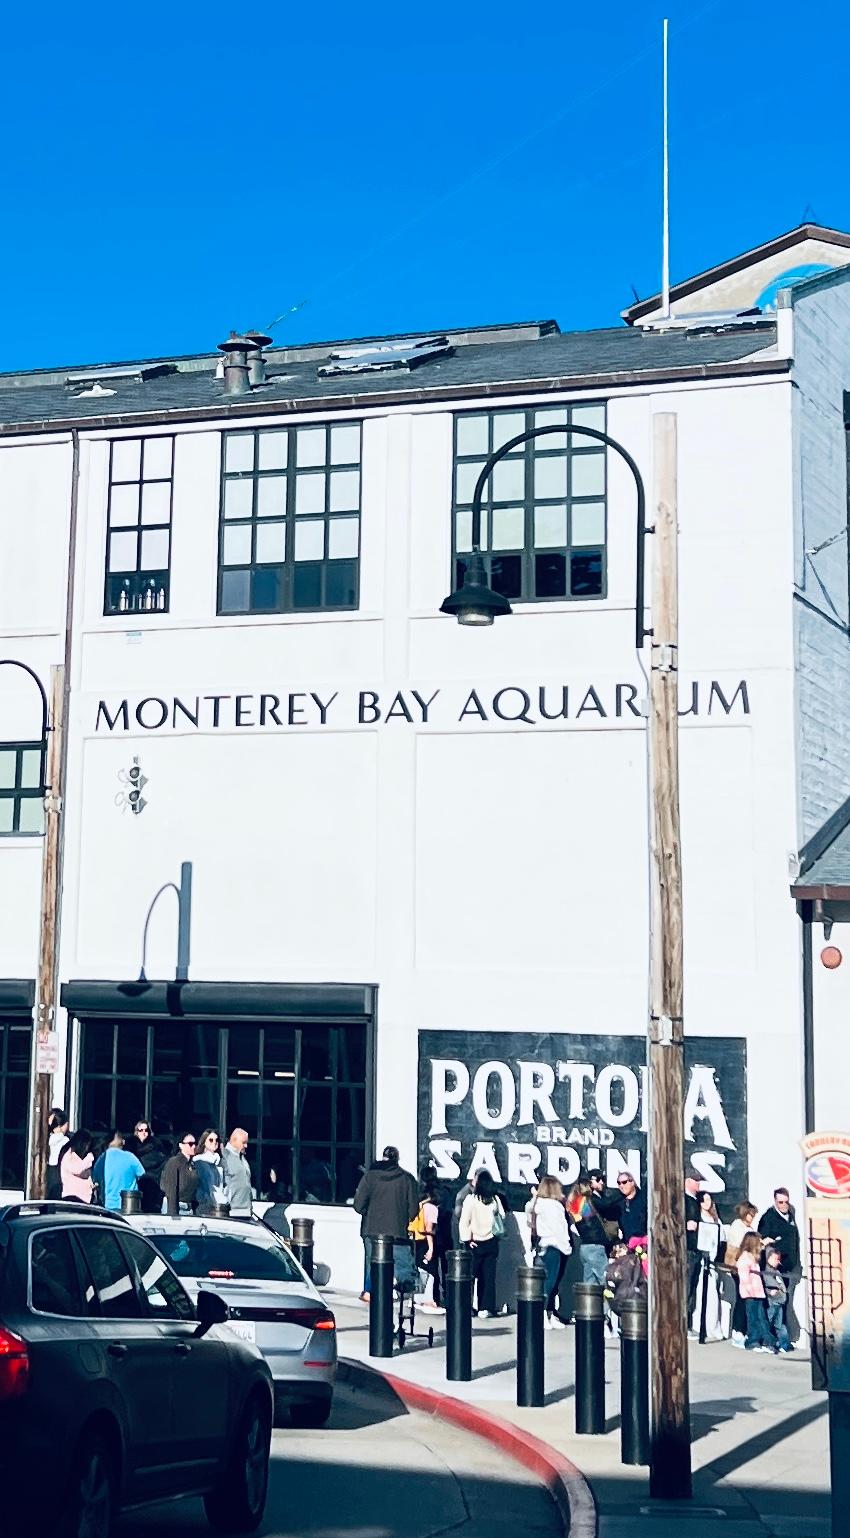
(590,358)
(825,860)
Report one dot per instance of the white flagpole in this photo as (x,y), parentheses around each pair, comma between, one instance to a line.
(665,256)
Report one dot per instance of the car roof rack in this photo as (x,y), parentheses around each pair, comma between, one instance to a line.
(37,1209)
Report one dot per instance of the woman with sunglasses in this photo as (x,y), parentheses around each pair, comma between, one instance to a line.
(211,1192)
(152,1156)
(179,1179)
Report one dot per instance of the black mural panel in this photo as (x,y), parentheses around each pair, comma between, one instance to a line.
(526,1105)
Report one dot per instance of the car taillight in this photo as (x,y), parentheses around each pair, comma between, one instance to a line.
(325,1321)
(14,1364)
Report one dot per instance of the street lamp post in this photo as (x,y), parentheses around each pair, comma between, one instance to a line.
(184,929)
(44,1014)
(474,603)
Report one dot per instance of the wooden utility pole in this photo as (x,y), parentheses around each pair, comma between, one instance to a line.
(670,1457)
(45,999)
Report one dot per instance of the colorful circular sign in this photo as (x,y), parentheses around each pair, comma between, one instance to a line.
(828,1172)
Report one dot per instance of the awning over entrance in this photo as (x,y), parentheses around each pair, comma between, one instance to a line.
(16,993)
(235,1000)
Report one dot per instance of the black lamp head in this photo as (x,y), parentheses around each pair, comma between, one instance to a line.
(474,602)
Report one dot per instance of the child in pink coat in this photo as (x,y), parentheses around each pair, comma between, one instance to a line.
(752,1292)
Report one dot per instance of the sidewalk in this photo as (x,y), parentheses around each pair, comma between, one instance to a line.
(760,1448)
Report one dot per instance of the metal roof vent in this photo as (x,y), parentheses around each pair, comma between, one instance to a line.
(257,361)
(380,357)
(236,350)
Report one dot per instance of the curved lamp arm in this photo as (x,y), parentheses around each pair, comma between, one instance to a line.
(13,662)
(184,917)
(641,631)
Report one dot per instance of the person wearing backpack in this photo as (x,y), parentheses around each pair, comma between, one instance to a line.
(547,1217)
(425,1230)
(482,1225)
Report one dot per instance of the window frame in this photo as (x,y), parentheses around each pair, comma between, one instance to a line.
(65,1231)
(289,519)
(141,1314)
(222,1077)
(21,1024)
(140,576)
(169,1312)
(533,451)
(19,793)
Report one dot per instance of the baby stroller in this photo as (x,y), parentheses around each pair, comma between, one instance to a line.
(406,1283)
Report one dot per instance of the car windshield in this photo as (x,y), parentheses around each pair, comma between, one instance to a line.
(242,1257)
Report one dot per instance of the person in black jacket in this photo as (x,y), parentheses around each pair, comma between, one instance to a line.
(628,1206)
(692,1220)
(779,1224)
(179,1179)
(387,1200)
(150,1153)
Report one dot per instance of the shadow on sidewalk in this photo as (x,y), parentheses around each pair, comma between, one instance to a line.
(754,1447)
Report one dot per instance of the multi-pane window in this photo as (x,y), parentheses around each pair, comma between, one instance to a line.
(138,537)
(298,1089)
(15,1047)
(290,519)
(21,795)
(543,511)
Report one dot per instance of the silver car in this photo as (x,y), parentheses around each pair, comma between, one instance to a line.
(271,1302)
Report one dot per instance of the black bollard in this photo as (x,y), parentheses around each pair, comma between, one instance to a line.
(381,1298)
(589,1314)
(634,1383)
(459,1316)
(131,1203)
(302,1243)
(530,1297)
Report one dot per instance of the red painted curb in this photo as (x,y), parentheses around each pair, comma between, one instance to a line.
(564,1481)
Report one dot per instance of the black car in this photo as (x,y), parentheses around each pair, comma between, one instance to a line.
(115,1389)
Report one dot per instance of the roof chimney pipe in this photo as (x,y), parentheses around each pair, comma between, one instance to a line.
(257,362)
(236,350)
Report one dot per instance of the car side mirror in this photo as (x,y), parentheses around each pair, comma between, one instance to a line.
(321,1274)
(210,1309)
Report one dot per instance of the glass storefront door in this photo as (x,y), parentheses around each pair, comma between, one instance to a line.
(298,1088)
(15,1049)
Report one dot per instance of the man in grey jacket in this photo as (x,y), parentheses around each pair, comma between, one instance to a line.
(237,1174)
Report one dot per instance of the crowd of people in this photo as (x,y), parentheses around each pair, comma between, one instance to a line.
(190,1174)
(741,1276)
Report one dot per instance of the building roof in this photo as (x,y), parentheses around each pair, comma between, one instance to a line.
(478,362)
(825,861)
(727,269)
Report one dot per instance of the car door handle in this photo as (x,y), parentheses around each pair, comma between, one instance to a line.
(182,1348)
(115,1348)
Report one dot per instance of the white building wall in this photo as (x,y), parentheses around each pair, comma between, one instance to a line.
(486,875)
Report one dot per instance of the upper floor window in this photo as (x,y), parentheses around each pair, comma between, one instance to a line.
(21,796)
(543,513)
(138,538)
(289,535)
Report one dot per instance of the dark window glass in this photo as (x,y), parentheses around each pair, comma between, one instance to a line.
(98,1109)
(98,1047)
(316,1177)
(586,574)
(544,508)
(550,575)
(317,1047)
(55,1283)
(255,1256)
(316,1119)
(243,1108)
(349,1168)
(115,1295)
(279,1050)
(351,1055)
(129,1103)
(138,530)
(278,1109)
(351,1114)
(243,1050)
(289,526)
(132,1048)
(162,1291)
(21,793)
(276,1177)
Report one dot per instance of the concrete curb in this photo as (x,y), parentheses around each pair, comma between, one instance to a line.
(564,1481)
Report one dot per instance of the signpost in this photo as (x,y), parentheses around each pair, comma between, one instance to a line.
(827,1156)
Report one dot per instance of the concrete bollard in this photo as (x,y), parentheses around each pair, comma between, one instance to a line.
(459,1316)
(589,1314)
(634,1383)
(381,1297)
(530,1297)
(302,1243)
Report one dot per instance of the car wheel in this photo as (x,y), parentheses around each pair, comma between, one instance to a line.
(237,1502)
(311,1413)
(92,1498)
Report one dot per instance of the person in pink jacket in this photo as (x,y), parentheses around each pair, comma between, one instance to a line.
(77,1160)
(752,1292)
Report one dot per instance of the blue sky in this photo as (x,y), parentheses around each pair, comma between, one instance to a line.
(172,171)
